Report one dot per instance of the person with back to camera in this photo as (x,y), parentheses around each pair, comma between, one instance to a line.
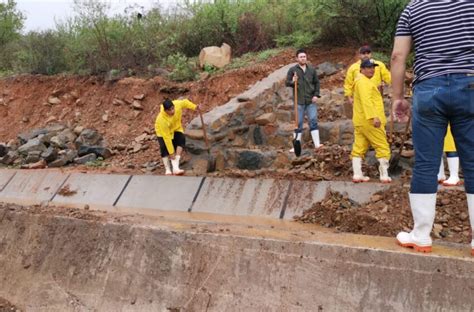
(443,36)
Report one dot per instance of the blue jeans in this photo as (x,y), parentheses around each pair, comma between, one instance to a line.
(311,110)
(437,102)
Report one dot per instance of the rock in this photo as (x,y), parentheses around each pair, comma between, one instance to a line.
(264,119)
(77,130)
(89,137)
(117,102)
(25,119)
(54,100)
(249,160)
(326,69)
(376,197)
(200,166)
(136,147)
(142,137)
(105,118)
(9,158)
(220,162)
(25,137)
(60,162)
(99,151)
(58,141)
(257,136)
(437,228)
(3,150)
(50,119)
(137,105)
(194,134)
(41,164)
(32,145)
(50,154)
(215,56)
(32,157)
(139,97)
(85,159)
(445,201)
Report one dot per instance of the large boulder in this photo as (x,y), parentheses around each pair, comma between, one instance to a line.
(218,57)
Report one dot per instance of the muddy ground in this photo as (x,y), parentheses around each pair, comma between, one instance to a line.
(6,306)
(388,212)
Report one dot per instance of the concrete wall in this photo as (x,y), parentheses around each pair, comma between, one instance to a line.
(59,264)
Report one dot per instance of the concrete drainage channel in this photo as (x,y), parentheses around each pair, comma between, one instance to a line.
(233,252)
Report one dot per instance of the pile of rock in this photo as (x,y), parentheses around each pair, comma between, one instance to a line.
(54,146)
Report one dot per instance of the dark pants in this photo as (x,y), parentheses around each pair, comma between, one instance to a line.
(178,140)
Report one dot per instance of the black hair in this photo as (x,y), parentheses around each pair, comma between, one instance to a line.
(300,51)
(167,104)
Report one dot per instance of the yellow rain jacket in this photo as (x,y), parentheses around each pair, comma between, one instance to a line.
(166,126)
(449,145)
(381,74)
(368,104)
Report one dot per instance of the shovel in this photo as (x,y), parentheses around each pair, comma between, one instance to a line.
(203,126)
(394,168)
(296,142)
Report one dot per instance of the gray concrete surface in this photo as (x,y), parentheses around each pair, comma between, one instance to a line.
(159,192)
(32,186)
(5,177)
(99,191)
(64,264)
(252,197)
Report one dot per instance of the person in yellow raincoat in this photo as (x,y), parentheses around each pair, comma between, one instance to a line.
(169,129)
(453,162)
(369,124)
(381,75)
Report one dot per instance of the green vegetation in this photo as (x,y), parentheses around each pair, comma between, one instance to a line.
(93,42)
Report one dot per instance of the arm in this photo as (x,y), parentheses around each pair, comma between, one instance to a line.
(187,104)
(385,73)
(349,82)
(401,49)
(289,78)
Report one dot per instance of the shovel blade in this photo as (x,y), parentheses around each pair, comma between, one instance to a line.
(394,168)
(297,147)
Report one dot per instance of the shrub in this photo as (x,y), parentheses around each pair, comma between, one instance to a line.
(183,70)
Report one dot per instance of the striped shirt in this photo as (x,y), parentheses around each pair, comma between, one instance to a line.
(443,35)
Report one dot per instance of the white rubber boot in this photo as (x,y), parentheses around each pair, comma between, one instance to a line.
(383,170)
(357,168)
(315,137)
(470,206)
(166,163)
(441,175)
(423,208)
(175,163)
(453,166)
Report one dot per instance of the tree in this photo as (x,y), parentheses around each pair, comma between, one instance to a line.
(11,22)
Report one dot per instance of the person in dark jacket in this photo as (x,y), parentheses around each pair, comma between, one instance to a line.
(308,92)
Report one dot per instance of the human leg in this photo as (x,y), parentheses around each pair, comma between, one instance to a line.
(179,141)
(359,148)
(164,156)
(429,128)
(378,139)
(312,111)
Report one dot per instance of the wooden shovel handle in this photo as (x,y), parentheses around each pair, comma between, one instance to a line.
(203,125)
(296,103)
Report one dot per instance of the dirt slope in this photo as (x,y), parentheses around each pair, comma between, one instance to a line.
(85,100)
